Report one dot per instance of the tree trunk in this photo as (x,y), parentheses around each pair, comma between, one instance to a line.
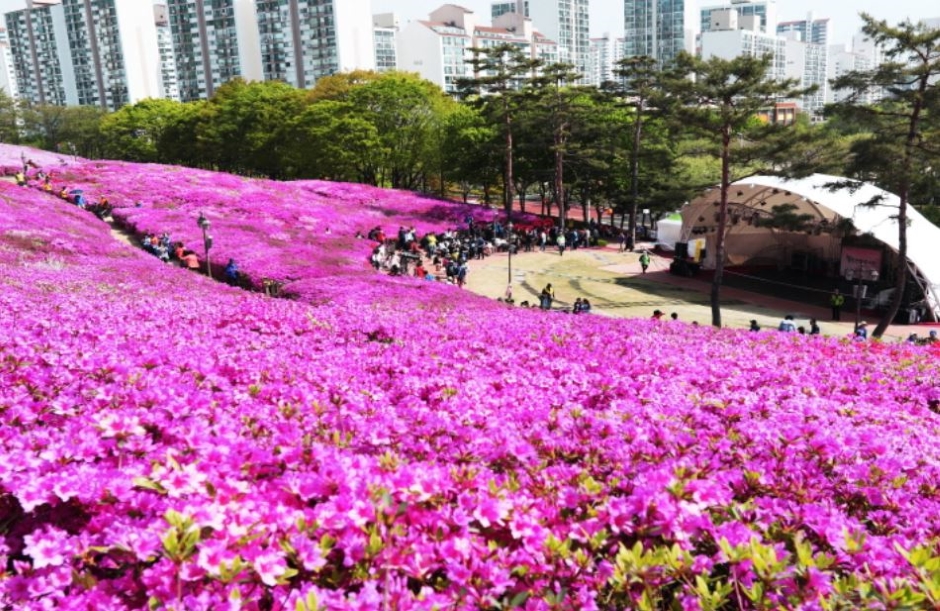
(722,223)
(559,183)
(635,171)
(507,187)
(903,194)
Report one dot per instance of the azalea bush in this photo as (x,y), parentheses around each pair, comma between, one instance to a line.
(388,443)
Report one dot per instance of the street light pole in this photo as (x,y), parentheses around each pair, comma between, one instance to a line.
(204,224)
(509,229)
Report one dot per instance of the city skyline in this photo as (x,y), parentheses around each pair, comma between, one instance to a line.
(607,15)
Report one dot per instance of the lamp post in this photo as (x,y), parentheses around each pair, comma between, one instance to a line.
(204,224)
(509,235)
(860,274)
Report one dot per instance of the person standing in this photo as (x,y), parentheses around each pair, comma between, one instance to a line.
(561,244)
(644,260)
(836,300)
(787,325)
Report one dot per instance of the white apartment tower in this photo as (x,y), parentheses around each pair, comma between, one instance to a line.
(809,30)
(606,51)
(33,34)
(385,38)
(7,75)
(659,28)
(169,81)
(303,40)
(841,62)
(765,10)
(731,35)
(214,41)
(807,63)
(112,45)
(438,48)
(501,7)
(567,22)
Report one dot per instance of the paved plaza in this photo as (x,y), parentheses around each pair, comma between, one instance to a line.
(616,286)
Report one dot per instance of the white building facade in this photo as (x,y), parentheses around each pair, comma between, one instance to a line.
(439,48)
(606,51)
(113,45)
(765,10)
(730,38)
(303,40)
(567,22)
(214,41)
(385,38)
(41,65)
(660,29)
(169,82)
(807,63)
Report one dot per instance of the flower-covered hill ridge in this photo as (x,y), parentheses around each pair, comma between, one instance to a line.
(170,442)
(272,229)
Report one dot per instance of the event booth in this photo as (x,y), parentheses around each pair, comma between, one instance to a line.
(803,223)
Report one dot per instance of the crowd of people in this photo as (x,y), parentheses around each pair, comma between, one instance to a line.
(160,246)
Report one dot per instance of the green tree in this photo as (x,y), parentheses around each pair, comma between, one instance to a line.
(134,132)
(500,73)
(557,102)
(720,97)
(177,144)
(468,149)
(9,117)
(639,77)
(407,113)
(898,149)
(244,126)
(330,140)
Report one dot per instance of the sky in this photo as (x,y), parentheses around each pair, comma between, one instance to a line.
(607,15)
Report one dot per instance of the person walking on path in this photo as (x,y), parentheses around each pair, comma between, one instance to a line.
(644,260)
(836,300)
(561,244)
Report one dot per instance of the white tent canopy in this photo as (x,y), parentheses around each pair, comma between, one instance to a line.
(755,197)
(668,232)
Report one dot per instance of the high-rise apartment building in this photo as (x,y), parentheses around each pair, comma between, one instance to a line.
(659,28)
(808,64)
(567,22)
(214,41)
(732,35)
(765,10)
(809,30)
(7,75)
(841,62)
(385,38)
(438,48)
(501,7)
(303,40)
(112,45)
(606,51)
(169,82)
(38,58)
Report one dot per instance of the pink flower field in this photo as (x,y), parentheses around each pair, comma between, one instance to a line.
(170,442)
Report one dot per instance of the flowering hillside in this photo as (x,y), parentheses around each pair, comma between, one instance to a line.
(386,443)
